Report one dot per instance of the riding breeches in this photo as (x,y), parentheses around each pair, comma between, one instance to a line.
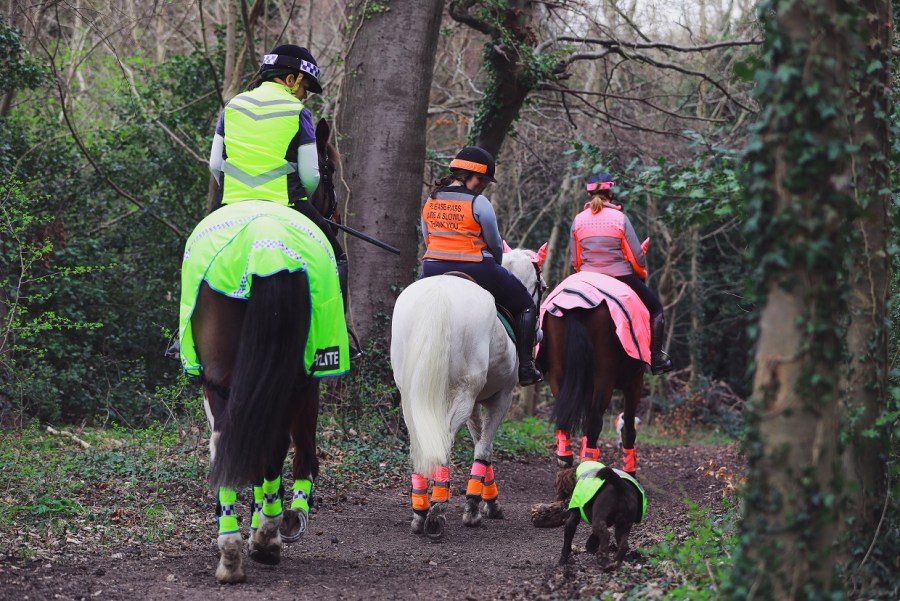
(647,296)
(507,289)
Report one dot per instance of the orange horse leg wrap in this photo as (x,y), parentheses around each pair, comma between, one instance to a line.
(587,453)
(440,492)
(490,492)
(476,479)
(629,460)
(562,444)
(419,493)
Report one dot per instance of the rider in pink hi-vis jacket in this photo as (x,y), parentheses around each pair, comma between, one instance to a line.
(604,241)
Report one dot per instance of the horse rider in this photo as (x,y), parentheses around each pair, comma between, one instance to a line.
(264,147)
(604,241)
(471,243)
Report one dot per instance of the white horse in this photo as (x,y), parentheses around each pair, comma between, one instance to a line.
(454,362)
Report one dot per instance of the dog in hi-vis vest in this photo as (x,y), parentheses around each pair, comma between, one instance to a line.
(603,497)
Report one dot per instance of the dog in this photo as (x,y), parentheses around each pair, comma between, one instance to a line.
(619,423)
(603,497)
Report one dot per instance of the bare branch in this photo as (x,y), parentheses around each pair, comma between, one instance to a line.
(648,46)
(459,11)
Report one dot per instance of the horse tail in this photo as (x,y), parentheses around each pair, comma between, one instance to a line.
(268,370)
(425,384)
(576,391)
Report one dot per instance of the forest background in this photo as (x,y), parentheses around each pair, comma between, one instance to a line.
(107,115)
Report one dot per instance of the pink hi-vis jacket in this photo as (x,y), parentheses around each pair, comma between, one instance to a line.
(605,242)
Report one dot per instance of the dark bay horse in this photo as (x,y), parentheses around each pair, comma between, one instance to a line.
(584,362)
(260,323)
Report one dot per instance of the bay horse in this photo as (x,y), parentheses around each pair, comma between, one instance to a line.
(261,321)
(455,363)
(585,361)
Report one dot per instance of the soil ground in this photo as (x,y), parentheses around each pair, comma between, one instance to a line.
(358,546)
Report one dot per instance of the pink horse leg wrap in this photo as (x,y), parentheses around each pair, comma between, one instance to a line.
(629,460)
(562,443)
(441,489)
(490,491)
(476,479)
(419,493)
(587,453)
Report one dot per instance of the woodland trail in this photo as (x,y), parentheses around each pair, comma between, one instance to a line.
(358,546)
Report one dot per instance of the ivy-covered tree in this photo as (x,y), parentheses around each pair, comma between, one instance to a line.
(818,188)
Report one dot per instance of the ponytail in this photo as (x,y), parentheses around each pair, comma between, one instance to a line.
(455,175)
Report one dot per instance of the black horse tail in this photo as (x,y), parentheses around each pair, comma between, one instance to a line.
(575,394)
(268,370)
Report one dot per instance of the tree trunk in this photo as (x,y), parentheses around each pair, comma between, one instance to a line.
(866,386)
(381,133)
(509,61)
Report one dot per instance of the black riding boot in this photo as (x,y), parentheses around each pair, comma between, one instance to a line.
(660,362)
(343,269)
(526,323)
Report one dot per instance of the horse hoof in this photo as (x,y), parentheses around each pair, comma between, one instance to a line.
(435,523)
(564,461)
(417,526)
(230,569)
(492,510)
(293,525)
(471,516)
(265,544)
(269,556)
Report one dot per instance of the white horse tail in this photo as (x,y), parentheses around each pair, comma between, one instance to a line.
(425,335)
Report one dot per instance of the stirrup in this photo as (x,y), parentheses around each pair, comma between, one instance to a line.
(529,374)
(354,348)
(661,368)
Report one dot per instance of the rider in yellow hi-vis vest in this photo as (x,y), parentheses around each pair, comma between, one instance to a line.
(265,143)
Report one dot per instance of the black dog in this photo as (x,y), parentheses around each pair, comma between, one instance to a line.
(618,502)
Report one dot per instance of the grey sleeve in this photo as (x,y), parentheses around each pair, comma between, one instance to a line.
(485,216)
(634,244)
(573,245)
(424,230)
(216,160)
(308,167)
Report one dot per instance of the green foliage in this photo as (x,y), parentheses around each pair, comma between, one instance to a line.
(116,489)
(528,437)
(696,566)
(18,68)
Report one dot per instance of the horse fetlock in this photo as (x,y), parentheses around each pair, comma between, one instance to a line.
(230,569)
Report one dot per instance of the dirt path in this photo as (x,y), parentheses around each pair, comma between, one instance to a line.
(361,548)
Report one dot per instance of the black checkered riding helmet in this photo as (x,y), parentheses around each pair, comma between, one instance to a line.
(290,58)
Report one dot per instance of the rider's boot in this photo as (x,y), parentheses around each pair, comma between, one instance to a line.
(526,323)
(660,362)
(343,269)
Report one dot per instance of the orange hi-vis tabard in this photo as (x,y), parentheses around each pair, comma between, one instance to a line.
(453,232)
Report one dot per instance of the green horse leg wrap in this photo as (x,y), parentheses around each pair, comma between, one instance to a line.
(272,498)
(257,507)
(228,523)
(302,493)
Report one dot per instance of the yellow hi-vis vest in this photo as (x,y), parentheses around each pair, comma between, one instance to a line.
(588,484)
(259,127)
